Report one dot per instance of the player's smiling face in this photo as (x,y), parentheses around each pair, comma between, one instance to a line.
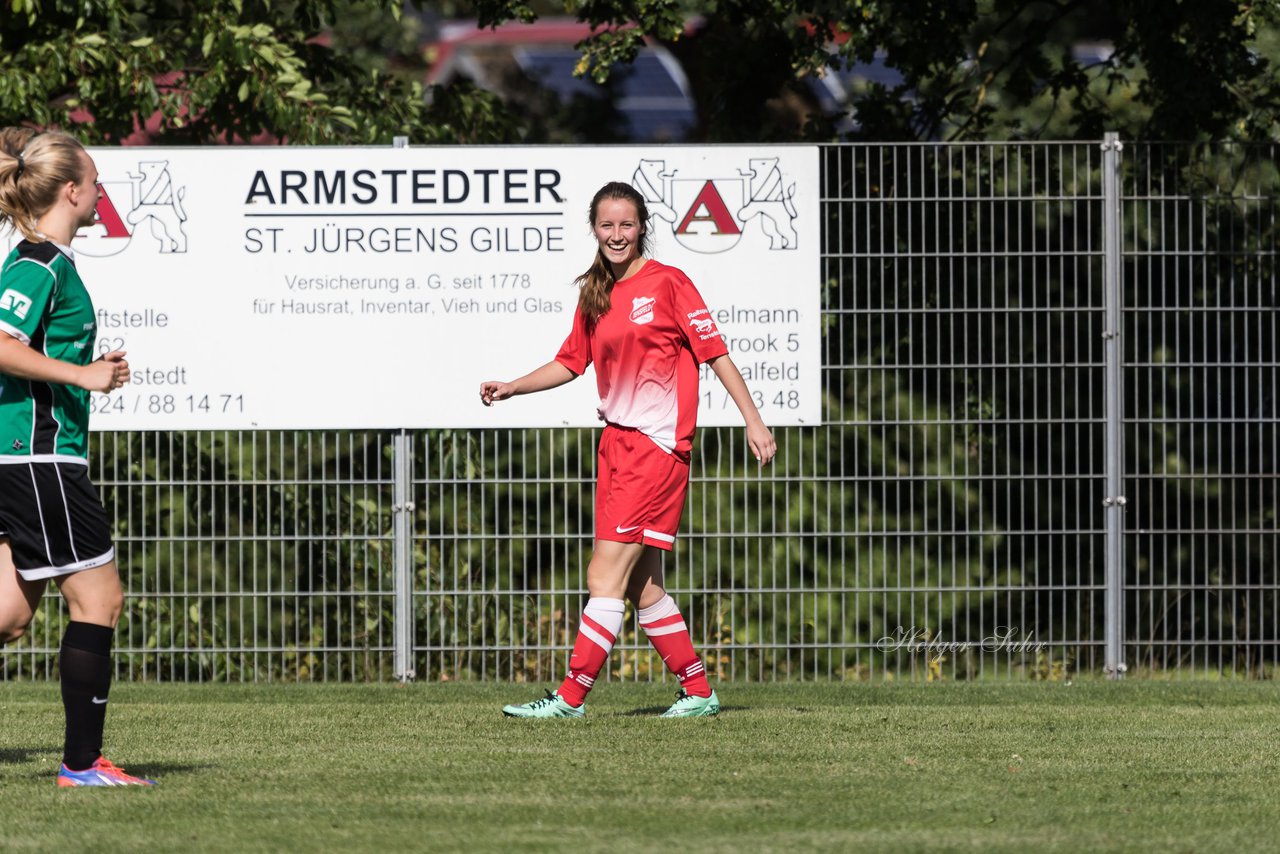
(618,231)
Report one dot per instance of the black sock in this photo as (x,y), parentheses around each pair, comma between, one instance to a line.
(85,667)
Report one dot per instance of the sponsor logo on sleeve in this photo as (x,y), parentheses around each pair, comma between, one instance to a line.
(703,326)
(15,303)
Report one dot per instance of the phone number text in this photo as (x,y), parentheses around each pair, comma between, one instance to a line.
(166,404)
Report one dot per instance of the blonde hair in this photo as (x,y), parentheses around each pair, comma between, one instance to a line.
(597,283)
(34,167)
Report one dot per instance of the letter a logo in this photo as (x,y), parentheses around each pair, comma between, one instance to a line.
(708,199)
(708,225)
(109,234)
(109,217)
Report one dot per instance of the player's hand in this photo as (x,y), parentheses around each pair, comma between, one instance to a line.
(491,391)
(761,442)
(106,374)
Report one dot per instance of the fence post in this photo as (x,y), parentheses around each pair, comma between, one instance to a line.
(1113,355)
(402,530)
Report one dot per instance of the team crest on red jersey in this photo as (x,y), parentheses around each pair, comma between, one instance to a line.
(126,205)
(642,309)
(711,215)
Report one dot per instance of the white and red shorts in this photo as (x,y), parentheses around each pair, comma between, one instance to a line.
(641,489)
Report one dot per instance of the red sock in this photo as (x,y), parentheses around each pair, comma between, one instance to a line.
(670,637)
(601,622)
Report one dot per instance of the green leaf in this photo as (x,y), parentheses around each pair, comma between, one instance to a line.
(243,92)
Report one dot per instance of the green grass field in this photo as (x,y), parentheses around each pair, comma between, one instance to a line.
(786,767)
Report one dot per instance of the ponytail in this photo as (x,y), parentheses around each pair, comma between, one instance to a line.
(34,167)
(595,284)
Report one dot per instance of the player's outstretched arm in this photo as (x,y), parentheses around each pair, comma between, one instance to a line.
(550,375)
(759,439)
(104,375)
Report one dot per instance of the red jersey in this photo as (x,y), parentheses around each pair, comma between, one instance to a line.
(646,350)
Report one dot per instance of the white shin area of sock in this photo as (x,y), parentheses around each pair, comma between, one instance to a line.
(664,607)
(606,612)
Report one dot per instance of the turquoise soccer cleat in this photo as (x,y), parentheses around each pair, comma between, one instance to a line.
(550,706)
(689,706)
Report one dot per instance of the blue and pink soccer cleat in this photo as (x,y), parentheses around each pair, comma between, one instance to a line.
(100,773)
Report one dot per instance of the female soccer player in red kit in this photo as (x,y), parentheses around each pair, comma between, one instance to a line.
(646,329)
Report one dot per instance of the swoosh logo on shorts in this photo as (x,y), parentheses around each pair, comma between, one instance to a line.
(622,530)
(98,702)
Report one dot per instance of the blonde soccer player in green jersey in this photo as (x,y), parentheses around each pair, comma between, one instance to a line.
(52,522)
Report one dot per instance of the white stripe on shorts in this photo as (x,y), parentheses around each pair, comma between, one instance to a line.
(55,571)
(66,518)
(44,529)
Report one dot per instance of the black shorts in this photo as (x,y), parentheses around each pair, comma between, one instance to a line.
(53,519)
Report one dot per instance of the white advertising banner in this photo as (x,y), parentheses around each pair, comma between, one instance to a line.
(315,288)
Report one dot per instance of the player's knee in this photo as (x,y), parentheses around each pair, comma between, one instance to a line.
(103,608)
(11,631)
(114,605)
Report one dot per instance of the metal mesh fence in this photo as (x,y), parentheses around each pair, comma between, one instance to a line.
(947,520)
(246,556)
(1201,439)
(965,303)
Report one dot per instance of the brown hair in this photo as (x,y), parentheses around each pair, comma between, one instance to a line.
(34,167)
(597,283)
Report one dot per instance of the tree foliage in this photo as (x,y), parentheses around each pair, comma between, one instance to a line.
(230,70)
(970,69)
(350,71)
